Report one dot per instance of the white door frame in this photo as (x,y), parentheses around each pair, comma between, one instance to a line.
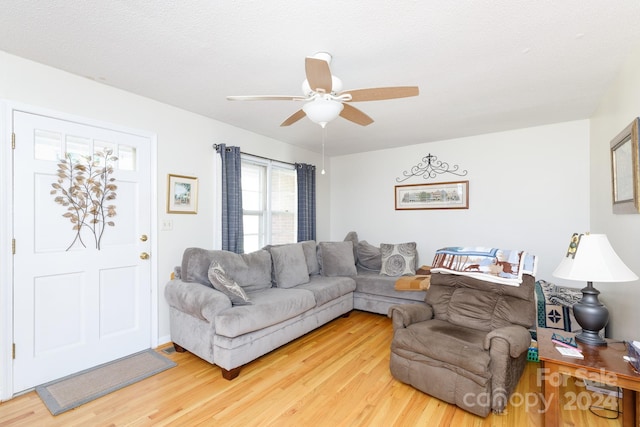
(6,230)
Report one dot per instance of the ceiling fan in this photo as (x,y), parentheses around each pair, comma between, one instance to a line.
(324,99)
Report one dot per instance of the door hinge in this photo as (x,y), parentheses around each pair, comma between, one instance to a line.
(13,140)
(13,351)
(13,246)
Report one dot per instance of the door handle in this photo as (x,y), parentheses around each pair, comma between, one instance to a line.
(143,238)
(144,255)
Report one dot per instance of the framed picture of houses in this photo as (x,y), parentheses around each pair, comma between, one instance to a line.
(443,195)
(182,194)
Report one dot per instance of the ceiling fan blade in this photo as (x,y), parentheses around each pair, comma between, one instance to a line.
(293,118)
(267,98)
(351,113)
(379,93)
(318,74)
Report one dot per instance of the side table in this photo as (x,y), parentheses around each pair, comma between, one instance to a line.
(602,364)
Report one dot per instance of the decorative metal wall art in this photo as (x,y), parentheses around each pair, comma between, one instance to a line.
(84,186)
(430,167)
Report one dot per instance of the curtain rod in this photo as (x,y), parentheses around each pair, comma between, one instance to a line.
(217,147)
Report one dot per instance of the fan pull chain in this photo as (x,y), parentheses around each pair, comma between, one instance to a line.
(324,133)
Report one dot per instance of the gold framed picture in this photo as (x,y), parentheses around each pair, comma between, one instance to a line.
(182,194)
(624,170)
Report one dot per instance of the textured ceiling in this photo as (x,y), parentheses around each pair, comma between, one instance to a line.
(481,65)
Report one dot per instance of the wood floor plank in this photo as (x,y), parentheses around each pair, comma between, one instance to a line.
(337,375)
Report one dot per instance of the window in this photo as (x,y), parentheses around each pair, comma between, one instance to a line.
(269,203)
(54,146)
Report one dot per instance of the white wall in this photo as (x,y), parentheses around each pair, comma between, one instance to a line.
(184,142)
(528,190)
(619,106)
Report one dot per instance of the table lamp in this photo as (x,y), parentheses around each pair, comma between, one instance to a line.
(591,258)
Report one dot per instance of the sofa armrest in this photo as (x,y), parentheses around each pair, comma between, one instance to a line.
(195,299)
(517,338)
(403,315)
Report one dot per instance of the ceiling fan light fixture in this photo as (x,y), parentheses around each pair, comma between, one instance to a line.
(322,110)
(336,86)
(324,99)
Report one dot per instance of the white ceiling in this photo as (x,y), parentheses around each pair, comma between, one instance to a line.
(481,65)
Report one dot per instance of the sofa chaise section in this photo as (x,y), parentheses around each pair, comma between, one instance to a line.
(376,293)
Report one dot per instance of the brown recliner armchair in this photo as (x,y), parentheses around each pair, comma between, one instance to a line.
(468,344)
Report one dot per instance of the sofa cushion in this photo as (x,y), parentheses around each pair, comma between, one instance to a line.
(251,271)
(311,256)
(372,283)
(221,282)
(195,266)
(455,346)
(336,258)
(327,289)
(479,304)
(289,265)
(399,259)
(270,306)
(369,256)
(352,237)
(472,308)
(309,247)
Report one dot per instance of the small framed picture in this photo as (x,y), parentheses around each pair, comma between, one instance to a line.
(625,180)
(182,195)
(443,195)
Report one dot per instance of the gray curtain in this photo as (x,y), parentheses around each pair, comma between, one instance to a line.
(232,231)
(306,175)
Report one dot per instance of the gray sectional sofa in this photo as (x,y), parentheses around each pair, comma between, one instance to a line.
(230,309)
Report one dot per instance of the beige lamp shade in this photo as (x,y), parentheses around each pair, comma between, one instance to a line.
(590,258)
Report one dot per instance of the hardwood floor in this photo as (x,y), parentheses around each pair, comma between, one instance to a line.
(337,375)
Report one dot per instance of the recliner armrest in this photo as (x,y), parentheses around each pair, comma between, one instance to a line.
(195,299)
(403,315)
(516,336)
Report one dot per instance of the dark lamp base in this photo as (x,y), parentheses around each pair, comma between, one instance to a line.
(590,338)
(592,316)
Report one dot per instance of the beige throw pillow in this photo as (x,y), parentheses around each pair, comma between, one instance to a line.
(224,284)
(398,260)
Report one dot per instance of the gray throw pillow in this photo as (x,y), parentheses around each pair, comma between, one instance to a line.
(311,256)
(398,260)
(352,236)
(252,271)
(289,265)
(336,259)
(195,265)
(221,282)
(369,256)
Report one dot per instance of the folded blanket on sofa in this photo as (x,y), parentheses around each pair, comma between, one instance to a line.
(503,266)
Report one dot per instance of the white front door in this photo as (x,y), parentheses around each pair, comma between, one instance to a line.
(81,289)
